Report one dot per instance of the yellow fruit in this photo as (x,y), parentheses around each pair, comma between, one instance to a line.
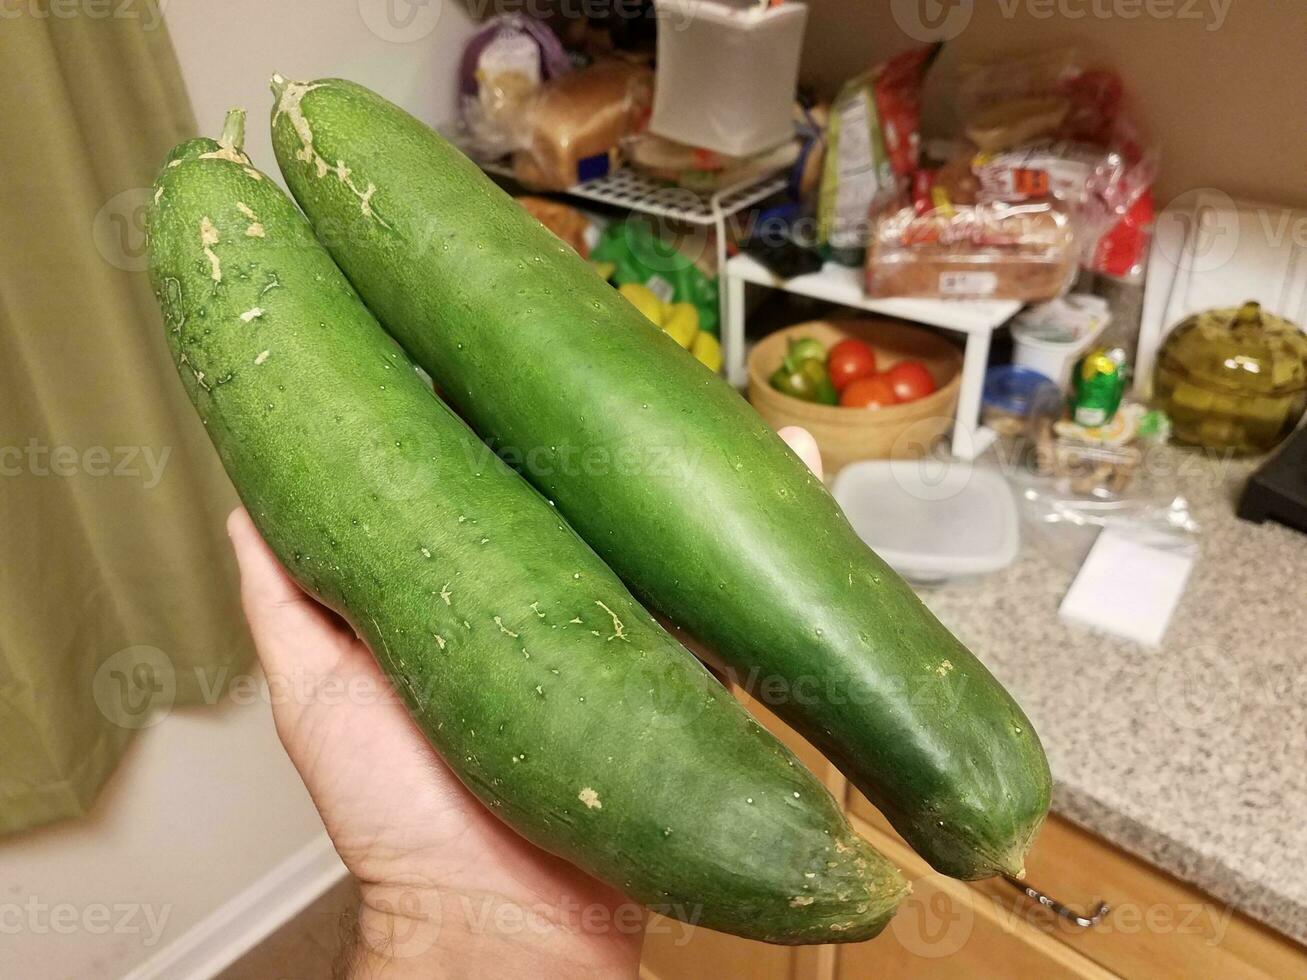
(682,323)
(708,351)
(644,300)
(681,311)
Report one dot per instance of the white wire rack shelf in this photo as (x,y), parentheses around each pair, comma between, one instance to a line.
(630,190)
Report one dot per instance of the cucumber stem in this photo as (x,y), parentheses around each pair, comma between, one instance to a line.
(279,83)
(233,130)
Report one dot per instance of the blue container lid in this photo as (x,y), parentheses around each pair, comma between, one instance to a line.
(1013,388)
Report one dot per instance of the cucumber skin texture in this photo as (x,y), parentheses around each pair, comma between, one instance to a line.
(386,507)
(729,535)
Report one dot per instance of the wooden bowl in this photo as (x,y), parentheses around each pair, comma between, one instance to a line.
(846,435)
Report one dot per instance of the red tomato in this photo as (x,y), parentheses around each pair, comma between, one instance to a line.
(848,361)
(874,392)
(910,380)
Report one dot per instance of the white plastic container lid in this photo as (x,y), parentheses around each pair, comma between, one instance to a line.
(1072,321)
(741,15)
(931,520)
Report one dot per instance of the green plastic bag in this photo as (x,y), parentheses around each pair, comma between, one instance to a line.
(666,264)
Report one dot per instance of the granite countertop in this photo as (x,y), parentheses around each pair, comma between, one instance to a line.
(1192,756)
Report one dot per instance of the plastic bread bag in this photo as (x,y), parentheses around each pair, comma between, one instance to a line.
(1047,126)
(985,89)
(873,144)
(577,122)
(1121,253)
(1099,184)
(1049,95)
(990,250)
(503,68)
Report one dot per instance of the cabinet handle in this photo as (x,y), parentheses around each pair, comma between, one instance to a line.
(1058,909)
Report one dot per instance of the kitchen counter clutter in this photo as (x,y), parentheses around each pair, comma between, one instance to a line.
(1187,756)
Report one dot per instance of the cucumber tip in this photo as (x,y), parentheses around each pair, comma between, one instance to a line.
(233,130)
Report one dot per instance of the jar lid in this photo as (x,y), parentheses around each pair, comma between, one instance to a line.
(1244,350)
(1013,388)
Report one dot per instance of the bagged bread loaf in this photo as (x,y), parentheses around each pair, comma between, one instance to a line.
(990,250)
(578,120)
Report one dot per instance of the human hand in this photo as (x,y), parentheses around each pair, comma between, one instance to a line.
(447,889)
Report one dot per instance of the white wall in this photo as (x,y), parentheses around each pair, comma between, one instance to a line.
(228,49)
(205,837)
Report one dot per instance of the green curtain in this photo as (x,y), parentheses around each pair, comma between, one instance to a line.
(117,588)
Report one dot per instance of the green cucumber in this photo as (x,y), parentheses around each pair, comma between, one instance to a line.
(671,476)
(542,683)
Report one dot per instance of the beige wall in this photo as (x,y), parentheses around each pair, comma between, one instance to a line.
(1220,84)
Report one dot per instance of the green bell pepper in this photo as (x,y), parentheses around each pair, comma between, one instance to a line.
(802,350)
(809,382)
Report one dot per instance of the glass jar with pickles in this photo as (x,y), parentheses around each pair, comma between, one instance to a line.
(1233,379)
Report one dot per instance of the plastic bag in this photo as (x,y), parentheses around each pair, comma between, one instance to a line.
(503,68)
(873,145)
(577,121)
(1047,501)
(1046,126)
(1050,74)
(1063,525)
(989,250)
(645,251)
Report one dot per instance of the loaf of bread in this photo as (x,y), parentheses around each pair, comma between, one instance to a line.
(566,222)
(992,250)
(578,120)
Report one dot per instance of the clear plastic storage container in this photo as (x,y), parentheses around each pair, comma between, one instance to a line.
(727,74)
(929,520)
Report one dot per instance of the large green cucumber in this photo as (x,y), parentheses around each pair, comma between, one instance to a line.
(668,473)
(542,683)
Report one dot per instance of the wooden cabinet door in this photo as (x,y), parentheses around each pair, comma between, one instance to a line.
(676,951)
(1159,928)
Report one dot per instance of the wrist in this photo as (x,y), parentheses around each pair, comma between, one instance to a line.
(396,934)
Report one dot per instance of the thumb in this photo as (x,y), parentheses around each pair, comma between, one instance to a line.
(804,445)
(291,631)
